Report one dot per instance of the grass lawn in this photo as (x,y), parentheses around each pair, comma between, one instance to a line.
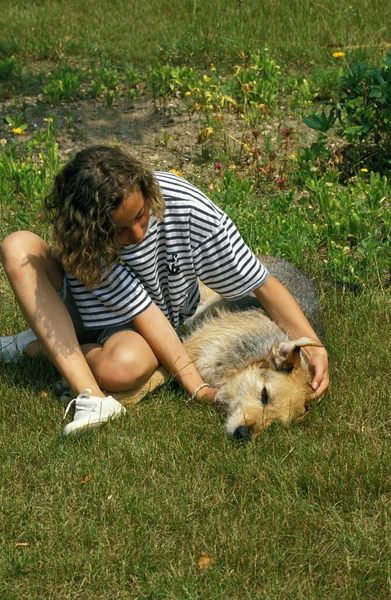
(160,504)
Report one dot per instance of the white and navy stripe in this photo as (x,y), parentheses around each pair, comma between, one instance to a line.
(196,239)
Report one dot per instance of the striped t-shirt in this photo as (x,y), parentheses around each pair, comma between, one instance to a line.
(195,239)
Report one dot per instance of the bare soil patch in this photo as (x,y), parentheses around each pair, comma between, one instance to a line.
(163,140)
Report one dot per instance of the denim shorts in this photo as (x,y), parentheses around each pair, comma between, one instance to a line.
(84,335)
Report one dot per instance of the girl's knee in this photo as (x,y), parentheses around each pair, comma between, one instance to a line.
(17,246)
(124,369)
(24,252)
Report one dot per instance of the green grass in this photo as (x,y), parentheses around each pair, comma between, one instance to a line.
(300,31)
(126,513)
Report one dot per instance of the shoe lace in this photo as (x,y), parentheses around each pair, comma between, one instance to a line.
(84,394)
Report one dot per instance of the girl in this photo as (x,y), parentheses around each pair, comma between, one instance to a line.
(106,301)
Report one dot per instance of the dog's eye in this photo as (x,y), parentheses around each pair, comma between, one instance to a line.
(264,396)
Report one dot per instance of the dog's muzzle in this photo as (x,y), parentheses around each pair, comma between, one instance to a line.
(242,433)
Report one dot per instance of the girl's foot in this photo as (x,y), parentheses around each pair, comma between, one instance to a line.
(91,412)
(12,347)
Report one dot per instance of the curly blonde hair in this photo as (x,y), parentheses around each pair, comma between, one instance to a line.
(80,206)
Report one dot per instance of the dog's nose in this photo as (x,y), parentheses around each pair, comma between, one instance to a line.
(242,433)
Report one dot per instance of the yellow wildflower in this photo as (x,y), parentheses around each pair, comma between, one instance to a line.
(179,173)
(187,93)
(18,131)
(364,170)
(338,54)
(227,100)
(206,79)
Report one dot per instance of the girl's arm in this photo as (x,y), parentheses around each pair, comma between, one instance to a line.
(286,312)
(169,350)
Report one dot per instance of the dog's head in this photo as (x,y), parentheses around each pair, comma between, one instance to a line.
(277,388)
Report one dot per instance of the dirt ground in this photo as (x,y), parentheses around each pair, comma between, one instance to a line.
(164,141)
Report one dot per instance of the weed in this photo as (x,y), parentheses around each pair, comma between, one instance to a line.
(132,80)
(110,96)
(363,112)
(300,91)
(62,84)
(163,141)
(107,77)
(7,67)
(26,172)
(16,122)
(256,84)
(96,88)
(160,83)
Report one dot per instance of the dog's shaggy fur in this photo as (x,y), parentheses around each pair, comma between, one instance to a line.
(261,375)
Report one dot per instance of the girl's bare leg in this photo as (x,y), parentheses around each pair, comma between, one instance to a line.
(127,359)
(124,361)
(36,278)
(125,366)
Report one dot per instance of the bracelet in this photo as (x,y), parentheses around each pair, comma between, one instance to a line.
(194,394)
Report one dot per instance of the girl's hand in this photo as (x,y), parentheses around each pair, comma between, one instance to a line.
(318,364)
(207,394)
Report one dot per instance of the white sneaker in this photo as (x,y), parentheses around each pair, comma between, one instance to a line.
(12,346)
(91,412)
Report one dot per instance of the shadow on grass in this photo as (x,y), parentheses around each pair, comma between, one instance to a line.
(33,374)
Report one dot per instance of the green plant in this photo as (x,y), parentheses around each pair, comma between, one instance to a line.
(110,96)
(16,122)
(164,141)
(96,88)
(7,67)
(62,84)
(325,82)
(257,84)
(310,160)
(132,81)
(300,91)
(108,77)
(26,172)
(187,79)
(106,81)
(166,81)
(159,82)
(363,111)
(344,231)
(323,122)
(366,105)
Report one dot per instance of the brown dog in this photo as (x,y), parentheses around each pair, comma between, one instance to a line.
(260,374)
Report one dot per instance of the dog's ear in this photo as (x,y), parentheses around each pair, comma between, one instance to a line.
(286,356)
